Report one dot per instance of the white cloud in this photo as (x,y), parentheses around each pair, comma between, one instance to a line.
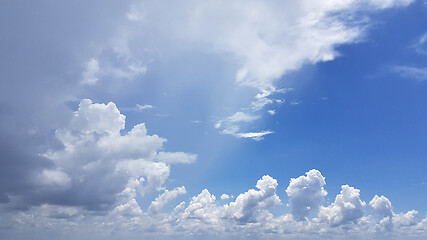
(176,157)
(248,216)
(248,206)
(389,220)
(231,126)
(265,40)
(225,196)
(128,71)
(140,107)
(55,178)
(271,112)
(97,162)
(236,118)
(405,219)
(419,74)
(347,207)
(91,72)
(306,193)
(257,136)
(421,45)
(203,208)
(157,205)
(137,68)
(382,206)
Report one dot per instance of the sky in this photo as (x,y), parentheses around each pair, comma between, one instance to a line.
(213,119)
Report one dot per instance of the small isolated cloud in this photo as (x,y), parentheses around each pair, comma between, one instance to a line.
(419,74)
(231,126)
(271,112)
(90,75)
(257,136)
(143,107)
(225,196)
(293,103)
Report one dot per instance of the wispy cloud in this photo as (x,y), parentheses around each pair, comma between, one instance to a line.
(421,45)
(232,126)
(419,74)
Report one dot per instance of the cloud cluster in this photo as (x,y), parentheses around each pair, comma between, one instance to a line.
(248,215)
(98,165)
(346,208)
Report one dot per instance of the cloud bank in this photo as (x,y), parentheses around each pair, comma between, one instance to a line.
(249,215)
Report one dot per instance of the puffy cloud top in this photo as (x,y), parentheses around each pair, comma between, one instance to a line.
(306,193)
(382,206)
(97,162)
(346,208)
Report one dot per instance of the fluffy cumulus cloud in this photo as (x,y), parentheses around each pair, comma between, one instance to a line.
(251,205)
(249,216)
(389,220)
(98,165)
(306,193)
(382,206)
(347,207)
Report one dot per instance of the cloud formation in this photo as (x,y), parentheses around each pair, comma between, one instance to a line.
(268,39)
(306,194)
(248,216)
(98,164)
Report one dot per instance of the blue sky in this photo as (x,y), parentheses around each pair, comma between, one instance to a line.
(131,119)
